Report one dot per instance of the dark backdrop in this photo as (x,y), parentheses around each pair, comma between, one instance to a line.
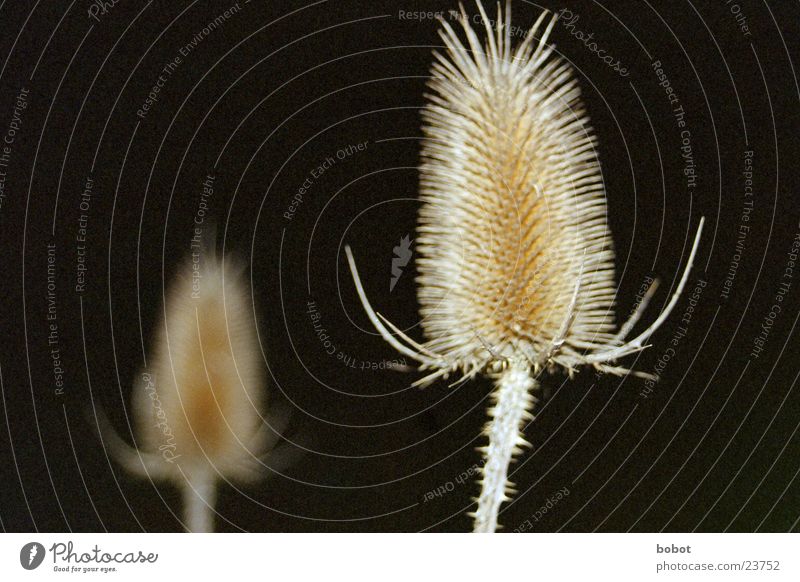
(262,101)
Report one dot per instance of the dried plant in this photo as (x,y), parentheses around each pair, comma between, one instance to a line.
(516,265)
(198,406)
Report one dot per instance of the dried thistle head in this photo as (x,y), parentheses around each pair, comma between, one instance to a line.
(513,216)
(515,258)
(206,372)
(198,405)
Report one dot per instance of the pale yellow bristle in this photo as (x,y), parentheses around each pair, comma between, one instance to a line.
(514,210)
(199,404)
(515,261)
(206,370)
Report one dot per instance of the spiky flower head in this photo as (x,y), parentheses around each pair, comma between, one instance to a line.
(206,372)
(515,258)
(514,214)
(198,405)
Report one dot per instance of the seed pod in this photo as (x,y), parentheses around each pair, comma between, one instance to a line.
(515,258)
(198,406)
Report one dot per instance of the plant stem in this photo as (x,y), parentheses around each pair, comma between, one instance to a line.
(513,402)
(199,499)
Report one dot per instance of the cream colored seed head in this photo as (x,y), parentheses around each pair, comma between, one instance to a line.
(207,371)
(514,211)
(198,406)
(514,253)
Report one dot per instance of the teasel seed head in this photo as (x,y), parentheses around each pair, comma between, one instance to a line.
(198,405)
(515,258)
(206,369)
(513,215)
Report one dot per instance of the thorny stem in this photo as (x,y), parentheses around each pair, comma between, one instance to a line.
(513,403)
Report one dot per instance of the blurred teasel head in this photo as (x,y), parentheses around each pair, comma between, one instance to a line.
(198,406)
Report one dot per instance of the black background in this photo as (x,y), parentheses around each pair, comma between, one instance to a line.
(273,92)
